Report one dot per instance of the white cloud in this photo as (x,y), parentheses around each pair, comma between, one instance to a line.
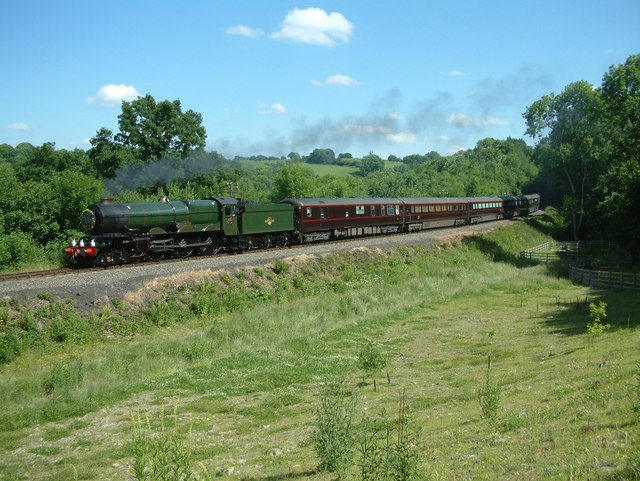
(82,143)
(456,149)
(339,80)
(315,26)
(112,95)
(18,126)
(273,109)
(244,31)
(457,73)
(402,137)
(496,121)
(464,120)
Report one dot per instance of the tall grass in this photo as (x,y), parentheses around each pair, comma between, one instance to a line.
(245,367)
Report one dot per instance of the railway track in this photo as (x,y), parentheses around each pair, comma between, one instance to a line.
(70,270)
(33,274)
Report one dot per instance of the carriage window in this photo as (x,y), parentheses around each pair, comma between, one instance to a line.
(389,210)
(397,210)
(360,210)
(373,210)
(308,211)
(321,213)
(346,213)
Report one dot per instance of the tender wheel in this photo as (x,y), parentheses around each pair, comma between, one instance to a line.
(283,240)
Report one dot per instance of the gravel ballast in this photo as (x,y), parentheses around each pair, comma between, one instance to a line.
(92,288)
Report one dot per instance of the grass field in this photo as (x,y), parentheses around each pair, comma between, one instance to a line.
(318,169)
(233,367)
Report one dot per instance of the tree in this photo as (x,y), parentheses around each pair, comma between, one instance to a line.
(322,156)
(293,180)
(154,129)
(370,163)
(570,123)
(106,155)
(620,187)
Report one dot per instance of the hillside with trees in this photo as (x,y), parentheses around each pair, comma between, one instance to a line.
(586,161)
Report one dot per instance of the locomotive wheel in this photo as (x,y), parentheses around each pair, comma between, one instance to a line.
(155,256)
(211,248)
(183,253)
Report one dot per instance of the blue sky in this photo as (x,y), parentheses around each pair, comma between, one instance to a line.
(271,77)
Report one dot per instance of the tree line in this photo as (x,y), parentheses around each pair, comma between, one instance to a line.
(586,161)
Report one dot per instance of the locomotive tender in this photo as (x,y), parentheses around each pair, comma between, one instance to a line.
(120,233)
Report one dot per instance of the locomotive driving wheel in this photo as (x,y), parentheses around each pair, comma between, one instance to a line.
(213,244)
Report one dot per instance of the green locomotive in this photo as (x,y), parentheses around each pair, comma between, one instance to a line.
(120,233)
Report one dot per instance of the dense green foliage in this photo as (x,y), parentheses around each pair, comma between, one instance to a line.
(589,150)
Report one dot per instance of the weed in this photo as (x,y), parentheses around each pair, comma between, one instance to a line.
(636,406)
(332,435)
(45,296)
(389,450)
(489,398)
(163,455)
(280,267)
(117,302)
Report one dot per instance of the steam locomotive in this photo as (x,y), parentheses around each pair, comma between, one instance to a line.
(118,233)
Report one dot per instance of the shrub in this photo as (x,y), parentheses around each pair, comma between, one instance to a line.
(64,376)
(597,313)
(17,249)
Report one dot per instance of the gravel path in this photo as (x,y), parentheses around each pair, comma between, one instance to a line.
(91,289)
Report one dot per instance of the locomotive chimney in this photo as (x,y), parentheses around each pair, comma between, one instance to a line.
(106,200)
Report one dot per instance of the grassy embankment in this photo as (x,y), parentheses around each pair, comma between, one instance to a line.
(244,355)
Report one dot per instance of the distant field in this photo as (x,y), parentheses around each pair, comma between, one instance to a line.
(318,169)
(237,361)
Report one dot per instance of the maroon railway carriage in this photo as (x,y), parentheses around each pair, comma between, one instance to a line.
(321,219)
(432,212)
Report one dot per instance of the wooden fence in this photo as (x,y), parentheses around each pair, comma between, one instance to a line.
(570,251)
(612,280)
